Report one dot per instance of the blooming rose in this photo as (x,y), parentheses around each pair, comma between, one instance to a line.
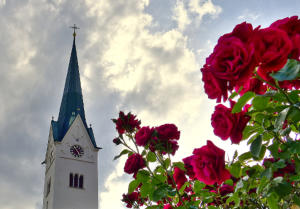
(129,199)
(164,146)
(179,177)
(213,87)
(254,85)
(222,120)
(143,135)
(167,132)
(188,166)
(168,206)
(291,25)
(227,124)
(126,123)
(272,49)
(134,163)
(209,164)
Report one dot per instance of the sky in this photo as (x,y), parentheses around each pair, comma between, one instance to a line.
(141,56)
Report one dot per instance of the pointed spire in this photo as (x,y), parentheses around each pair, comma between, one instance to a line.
(72,101)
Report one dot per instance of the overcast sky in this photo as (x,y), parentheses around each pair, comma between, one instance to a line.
(142,56)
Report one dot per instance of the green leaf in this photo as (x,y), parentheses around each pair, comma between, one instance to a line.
(179,165)
(245,156)
(235,169)
(242,101)
(229,182)
(281,118)
(260,103)
(124,152)
(167,163)
(159,193)
(294,114)
(198,186)
(283,189)
(255,147)
(133,185)
(146,189)
(289,72)
(181,190)
(296,199)
(272,200)
(274,149)
(267,173)
(143,176)
(151,157)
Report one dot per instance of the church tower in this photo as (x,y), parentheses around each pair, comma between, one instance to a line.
(71,176)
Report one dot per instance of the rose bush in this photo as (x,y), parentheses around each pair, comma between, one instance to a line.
(257,71)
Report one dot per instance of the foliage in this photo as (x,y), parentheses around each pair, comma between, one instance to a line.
(258,72)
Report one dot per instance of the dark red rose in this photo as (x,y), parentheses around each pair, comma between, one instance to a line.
(143,136)
(291,25)
(213,87)
(117,141)
(232,61)
(226,189)
(227,124)
(209,164)
(273,47)
(241,120)
(254,85)
(167,132)
(129,199)
(223,121)
(244,31)
(168,206)
(134,163)
(126,123)
(179,177)
(188,166)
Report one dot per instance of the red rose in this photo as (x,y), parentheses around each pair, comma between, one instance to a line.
(168,206)
(143,136)
(253,84)
(213,87)
(179,177)
(134,163)
(227,124)
(188,166)
(126,123)
(272,49)
(129,199)
(223,121)
(232,61)
(209,164)
(226,189)
(167,132)
(241,120)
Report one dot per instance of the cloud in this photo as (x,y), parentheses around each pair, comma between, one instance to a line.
(204,7)
(180,15)
(249,16)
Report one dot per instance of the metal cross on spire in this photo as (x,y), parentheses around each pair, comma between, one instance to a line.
(75,28)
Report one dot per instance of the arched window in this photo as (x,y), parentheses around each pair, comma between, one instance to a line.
(71,180)
(76,180)
(81,182)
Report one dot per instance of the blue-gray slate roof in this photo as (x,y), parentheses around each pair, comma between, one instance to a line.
(72,102)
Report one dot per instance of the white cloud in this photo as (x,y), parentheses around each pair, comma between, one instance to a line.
(2,3)
(181,15)
(204,7)
(249,16)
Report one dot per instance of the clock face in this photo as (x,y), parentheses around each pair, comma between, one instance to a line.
(76,150)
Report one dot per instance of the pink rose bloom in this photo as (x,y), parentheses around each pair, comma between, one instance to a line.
(179,177)
(167,132)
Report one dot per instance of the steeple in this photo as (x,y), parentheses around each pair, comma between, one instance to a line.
(72,100)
